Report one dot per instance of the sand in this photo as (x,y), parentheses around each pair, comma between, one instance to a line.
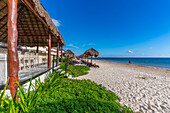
(144,89)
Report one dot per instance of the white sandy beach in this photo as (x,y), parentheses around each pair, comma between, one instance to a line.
(143,89)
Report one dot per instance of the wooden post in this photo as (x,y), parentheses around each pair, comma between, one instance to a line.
(53,62)
(58,52)
(13,62)
(56,60)
(91,59)
(49,49)
(37,48)
(61,53)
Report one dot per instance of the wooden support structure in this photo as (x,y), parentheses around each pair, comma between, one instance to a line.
(91,59)
(61,53)
(49,49)
(37,48)
(13,62)
(58,52)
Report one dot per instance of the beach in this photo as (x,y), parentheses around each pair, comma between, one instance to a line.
(144,89)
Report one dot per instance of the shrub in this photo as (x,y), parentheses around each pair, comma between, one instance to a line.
(65,59)
(75,71)
(59,94)
(79,96)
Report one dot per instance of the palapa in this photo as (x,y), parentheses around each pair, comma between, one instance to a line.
(33,24)
(69,54)
(25,23)
(91,52)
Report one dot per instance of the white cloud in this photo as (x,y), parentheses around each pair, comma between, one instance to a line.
(92,44)
(129,51)
(71,45)
(56,22)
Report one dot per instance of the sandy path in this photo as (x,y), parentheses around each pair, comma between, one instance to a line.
(141,88)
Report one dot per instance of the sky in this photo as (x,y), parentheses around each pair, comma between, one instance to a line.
(115,28)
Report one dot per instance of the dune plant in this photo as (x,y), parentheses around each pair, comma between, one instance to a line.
(65,59)
(27,99)
(79,96)
(75,71)
(59,94)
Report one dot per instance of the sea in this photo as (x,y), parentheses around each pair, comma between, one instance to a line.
(163,63)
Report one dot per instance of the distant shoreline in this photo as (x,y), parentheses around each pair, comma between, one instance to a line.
(135,65)
(142,64)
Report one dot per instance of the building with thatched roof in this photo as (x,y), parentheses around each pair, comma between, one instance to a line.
(26,23)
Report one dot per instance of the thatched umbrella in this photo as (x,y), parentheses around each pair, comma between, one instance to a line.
(80,56)
(69,54)
(84,56)
(91,52)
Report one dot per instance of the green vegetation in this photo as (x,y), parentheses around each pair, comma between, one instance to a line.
(66,59)
(59,94)
(75,71)
(27,99)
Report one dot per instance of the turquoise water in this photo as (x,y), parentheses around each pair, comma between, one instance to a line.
(151,62)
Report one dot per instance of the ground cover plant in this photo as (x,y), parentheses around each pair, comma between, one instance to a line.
(58,94)
(65,59)
(79,96)
(75,71)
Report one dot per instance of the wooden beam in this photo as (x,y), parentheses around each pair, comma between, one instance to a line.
(37,48)
(35,43)
(3,25)
(5,16)
(5,7)
(61,53)
(58,52)
(32,35)
(13,62)
(3,33)
(49,49)
(29,5)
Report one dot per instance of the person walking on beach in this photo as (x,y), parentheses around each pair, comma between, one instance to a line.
(129,62)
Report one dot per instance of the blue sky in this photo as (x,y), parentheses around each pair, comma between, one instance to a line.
(113,27)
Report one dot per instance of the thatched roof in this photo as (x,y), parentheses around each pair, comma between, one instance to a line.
(84,56)
(81,56)
(69,54)
(92,52)
(33,24)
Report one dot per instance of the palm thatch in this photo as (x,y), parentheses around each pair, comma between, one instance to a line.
(81,56)
(69,54)
(33,24)
(91,52)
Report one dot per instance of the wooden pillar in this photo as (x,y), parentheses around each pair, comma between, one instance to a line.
(58,52)
(13,62)
(91,59)
(37,48)
(49,49)
(61,53)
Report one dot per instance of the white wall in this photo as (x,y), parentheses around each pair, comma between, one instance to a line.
(3,68)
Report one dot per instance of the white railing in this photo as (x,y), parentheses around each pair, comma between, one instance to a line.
(30,60)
